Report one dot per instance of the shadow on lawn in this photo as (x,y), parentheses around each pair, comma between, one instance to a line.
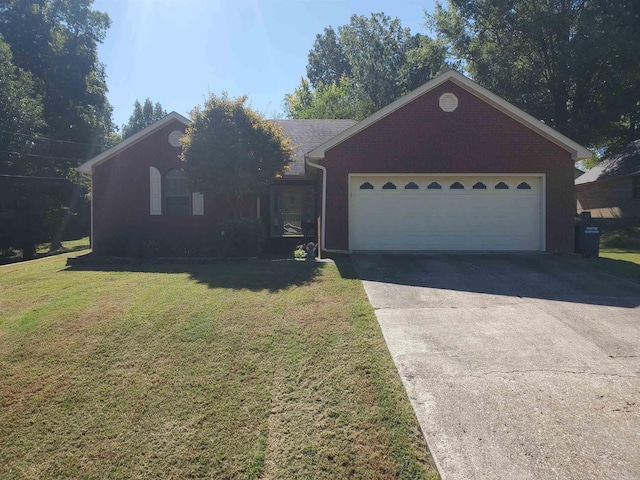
(254,275)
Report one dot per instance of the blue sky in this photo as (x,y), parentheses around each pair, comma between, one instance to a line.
(177,51)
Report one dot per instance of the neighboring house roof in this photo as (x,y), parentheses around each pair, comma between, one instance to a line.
(577,151)
(623,164)
(88,166)
(306,135)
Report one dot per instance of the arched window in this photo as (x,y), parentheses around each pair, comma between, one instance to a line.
(366,186)
(388,186)
(177,194)
(479,186)
(524,186)
(411,186)
(502,186)
(434,186)
(456,186)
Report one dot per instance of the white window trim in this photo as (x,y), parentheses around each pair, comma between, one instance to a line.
(197,203)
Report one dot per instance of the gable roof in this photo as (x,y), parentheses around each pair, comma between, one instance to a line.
(88,166)
(623,164)
(306,135)
(577,151)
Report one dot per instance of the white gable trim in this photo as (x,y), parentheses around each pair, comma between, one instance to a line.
(577,151)
(88,166)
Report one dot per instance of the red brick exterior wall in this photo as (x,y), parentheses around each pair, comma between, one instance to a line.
(121,194)
(475,138)
(608,199)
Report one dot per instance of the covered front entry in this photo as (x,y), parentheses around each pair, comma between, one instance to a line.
(446,212)
(291,210)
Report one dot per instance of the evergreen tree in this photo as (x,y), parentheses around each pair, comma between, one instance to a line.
(142,117)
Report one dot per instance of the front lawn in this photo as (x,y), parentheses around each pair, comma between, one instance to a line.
(274,370)
(43,250)
(620,250)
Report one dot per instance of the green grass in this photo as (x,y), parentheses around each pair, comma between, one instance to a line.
(620,252)
(266,370)
(625,238)
(42,250)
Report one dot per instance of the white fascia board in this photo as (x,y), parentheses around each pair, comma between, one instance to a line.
(577,151)
(88,166)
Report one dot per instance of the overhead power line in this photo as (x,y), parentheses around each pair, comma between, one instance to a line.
(38,137)
(42,156)
(6,175)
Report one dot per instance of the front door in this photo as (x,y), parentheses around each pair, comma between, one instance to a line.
(292,212)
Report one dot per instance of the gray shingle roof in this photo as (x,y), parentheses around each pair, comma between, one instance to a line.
(623,164)
(306,135)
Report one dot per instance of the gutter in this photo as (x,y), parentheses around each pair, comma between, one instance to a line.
(324,207)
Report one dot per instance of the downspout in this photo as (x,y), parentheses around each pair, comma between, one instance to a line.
(324,207)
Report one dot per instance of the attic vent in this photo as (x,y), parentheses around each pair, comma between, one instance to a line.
(448,102)
(174,138)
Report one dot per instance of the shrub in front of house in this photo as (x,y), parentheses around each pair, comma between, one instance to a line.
(136,243)
(241,237)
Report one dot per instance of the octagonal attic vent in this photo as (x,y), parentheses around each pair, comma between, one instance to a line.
(448,102)
(174,138)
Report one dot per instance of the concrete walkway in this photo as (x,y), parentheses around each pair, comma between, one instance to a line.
(518,366)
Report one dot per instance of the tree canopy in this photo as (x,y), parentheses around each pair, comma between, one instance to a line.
(142,117)
(575,64)
(55,112)
(368,64)
(231,150)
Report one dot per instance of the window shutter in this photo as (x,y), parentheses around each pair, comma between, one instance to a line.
(198,203)
(155,189)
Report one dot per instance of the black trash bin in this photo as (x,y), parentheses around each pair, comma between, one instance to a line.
(587,237)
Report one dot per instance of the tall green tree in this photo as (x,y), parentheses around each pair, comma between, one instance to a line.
(336,100)
(32,185)
(368,64)
(575,64)
(55,42)
(327,60)
(142,117)
(376,48)
(231,150)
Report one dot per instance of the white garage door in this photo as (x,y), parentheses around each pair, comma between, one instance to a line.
(447,212)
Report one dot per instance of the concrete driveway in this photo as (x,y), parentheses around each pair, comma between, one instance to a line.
(518,366)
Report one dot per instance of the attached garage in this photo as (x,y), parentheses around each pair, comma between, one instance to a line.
(449,166)
(446,212)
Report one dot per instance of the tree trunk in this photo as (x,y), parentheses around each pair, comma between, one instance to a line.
(28,250)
